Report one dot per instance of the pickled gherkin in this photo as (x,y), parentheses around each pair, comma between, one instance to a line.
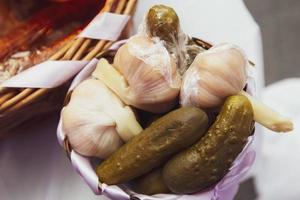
(166,136)
(207,161)
(151,183)
(163,22)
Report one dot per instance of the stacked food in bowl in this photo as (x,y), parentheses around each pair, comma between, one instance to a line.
(166,113)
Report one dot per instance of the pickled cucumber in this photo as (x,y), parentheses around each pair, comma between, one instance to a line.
(168,135)
(207,161)
(151,183)
(163,22)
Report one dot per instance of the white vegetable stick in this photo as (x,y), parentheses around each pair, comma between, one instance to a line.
(112,79)
(267,117)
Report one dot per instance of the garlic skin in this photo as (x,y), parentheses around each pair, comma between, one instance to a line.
(96,122)
(214,75)
(151,75)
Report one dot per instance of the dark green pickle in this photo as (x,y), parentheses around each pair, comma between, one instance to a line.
(163,22)
(166,136)
(207,161)
(150,184)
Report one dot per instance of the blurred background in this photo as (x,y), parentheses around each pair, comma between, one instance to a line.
(280,26)
(279,22)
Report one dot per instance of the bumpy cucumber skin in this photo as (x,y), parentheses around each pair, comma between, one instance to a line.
(166,136)
(163,22)
(151,183)
(207,161)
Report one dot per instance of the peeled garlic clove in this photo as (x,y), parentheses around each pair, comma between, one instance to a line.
(267,117)
(146,73)
(96,122)
(214,75)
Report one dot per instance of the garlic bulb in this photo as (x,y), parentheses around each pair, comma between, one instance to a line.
(214,75)
(147,74)
(96,122)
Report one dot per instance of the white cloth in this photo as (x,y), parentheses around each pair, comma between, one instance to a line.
(278,175)
(34,167)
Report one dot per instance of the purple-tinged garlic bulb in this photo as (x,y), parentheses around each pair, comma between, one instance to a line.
(96,122)
(214,75)
(147,74)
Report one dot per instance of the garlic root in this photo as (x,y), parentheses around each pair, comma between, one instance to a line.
(267,117)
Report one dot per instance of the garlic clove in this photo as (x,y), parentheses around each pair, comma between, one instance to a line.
(127,125)
(267,117)
(112,79)
(215,74)
(96,121)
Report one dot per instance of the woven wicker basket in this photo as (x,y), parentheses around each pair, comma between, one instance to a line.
(17,105)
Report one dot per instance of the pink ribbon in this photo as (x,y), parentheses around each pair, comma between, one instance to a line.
(110,24)
(48,74)
(83,166)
